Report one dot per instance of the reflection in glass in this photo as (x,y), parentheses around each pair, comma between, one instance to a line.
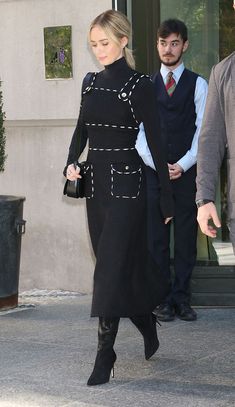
(212,37)
(202,20)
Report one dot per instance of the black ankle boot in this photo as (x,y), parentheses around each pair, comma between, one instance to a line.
(146,324)
(106,356)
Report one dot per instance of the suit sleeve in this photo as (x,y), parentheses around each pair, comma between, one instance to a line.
(212,141)
(145,107)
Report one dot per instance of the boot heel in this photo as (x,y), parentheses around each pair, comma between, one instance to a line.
(158,322)
(154,316)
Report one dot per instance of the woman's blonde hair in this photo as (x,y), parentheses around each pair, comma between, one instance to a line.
(116,26)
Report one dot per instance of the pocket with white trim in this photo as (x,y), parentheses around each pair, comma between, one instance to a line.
(126,180)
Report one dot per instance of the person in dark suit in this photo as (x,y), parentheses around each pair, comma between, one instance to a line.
(217,135)
(181,96)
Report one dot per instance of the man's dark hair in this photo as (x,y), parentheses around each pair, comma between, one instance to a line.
(172,26)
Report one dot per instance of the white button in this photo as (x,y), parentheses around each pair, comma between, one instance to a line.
(126,167)
(123,94)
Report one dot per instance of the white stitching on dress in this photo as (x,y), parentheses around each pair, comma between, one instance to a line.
(120,92)
(85,170)
(133,87)
(114,126)
(88,88)
(112,149)
(121,95)
(106,89)
(125,173)
(127,97)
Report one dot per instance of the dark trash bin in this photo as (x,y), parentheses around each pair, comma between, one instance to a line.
(12,226)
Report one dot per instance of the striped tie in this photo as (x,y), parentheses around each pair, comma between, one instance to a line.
(170,84)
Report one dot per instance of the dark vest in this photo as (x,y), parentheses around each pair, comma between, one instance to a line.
(177,114)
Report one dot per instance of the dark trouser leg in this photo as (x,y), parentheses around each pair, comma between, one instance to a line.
(146,324)
(106,357)
(185,237)
(158,232)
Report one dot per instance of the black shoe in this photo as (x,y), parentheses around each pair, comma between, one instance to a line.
(165,312)
(185,312)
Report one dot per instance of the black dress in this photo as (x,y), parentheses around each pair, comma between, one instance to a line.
(115,102)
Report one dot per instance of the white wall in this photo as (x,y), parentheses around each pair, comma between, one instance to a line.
(27,95)
(41,115)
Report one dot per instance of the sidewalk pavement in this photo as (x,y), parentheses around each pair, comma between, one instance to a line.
(48,346)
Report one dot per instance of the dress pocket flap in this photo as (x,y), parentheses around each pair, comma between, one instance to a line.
(126,168)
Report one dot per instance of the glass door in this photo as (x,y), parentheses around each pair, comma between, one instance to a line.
(212,37)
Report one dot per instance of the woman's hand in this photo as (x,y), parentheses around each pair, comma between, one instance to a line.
(167,220)
(72,172)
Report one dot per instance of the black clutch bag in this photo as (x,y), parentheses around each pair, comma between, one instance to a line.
(75,189)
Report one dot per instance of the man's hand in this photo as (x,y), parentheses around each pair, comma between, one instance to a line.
(175,171)
(204,214)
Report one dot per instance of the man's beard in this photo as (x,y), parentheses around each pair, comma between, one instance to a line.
(173,62)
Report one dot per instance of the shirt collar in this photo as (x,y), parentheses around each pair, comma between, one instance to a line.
(177,72)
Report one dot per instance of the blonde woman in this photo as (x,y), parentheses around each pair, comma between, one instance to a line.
(115,101)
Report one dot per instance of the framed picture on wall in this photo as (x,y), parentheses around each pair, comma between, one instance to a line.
(58,52)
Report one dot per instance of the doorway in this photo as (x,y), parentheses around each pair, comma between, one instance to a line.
(212,37)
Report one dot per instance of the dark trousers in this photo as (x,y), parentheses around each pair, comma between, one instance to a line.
(184,233)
